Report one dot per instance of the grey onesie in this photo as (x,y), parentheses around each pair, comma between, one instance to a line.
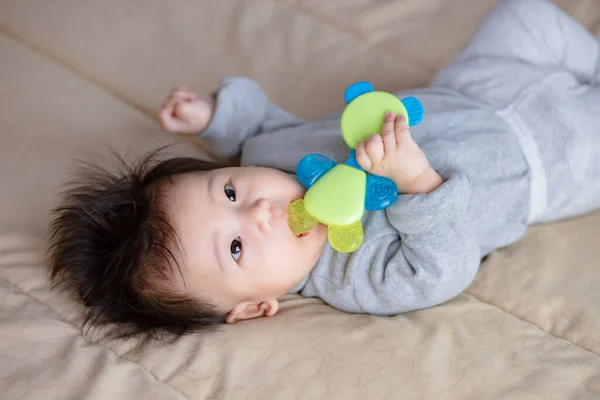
(512,125)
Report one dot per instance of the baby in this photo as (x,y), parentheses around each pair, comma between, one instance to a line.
(511,137)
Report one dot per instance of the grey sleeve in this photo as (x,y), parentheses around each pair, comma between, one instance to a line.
(242,111)
(420,253)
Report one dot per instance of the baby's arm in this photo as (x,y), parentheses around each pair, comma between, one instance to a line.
(420,252)
(238,111)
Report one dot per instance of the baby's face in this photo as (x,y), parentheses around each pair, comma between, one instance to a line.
(235,243)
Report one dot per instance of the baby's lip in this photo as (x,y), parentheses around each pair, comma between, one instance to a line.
(305,234)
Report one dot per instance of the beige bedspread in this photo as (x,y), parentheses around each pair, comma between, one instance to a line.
(78,76)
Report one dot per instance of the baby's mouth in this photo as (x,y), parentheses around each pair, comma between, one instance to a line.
(303,234)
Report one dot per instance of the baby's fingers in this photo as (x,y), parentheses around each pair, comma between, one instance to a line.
(184,94)
(178,95)
(387,132)
(401,129)
(168,121)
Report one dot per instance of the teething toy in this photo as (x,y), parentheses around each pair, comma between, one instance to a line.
(338,194)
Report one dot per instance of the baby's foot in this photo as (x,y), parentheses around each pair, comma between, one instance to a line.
(186,113)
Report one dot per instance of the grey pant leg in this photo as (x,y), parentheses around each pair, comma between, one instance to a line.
(569,142)
(518,43)
(539,69)
(535,32)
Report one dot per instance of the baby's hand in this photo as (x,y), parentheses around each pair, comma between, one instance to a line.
(185,113)
(395,155)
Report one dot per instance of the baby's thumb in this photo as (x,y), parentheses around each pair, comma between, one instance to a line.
(362,158)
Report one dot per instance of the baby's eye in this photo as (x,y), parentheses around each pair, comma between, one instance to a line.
(229,192)
(236,248)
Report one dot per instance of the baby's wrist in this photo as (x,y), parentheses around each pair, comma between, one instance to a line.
(425,182)
(210,102)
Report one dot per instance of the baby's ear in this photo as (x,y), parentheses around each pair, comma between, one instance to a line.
(252,309)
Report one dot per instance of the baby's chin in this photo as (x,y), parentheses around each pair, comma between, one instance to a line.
(312,243)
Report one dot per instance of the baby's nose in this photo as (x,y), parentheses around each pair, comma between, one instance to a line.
(260,214)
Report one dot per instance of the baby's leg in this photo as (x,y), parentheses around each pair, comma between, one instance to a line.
(536,32)
(563,116)
(565,124)
(517,43)
(539,69)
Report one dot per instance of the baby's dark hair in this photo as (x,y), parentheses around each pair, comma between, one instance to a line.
(112,243)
